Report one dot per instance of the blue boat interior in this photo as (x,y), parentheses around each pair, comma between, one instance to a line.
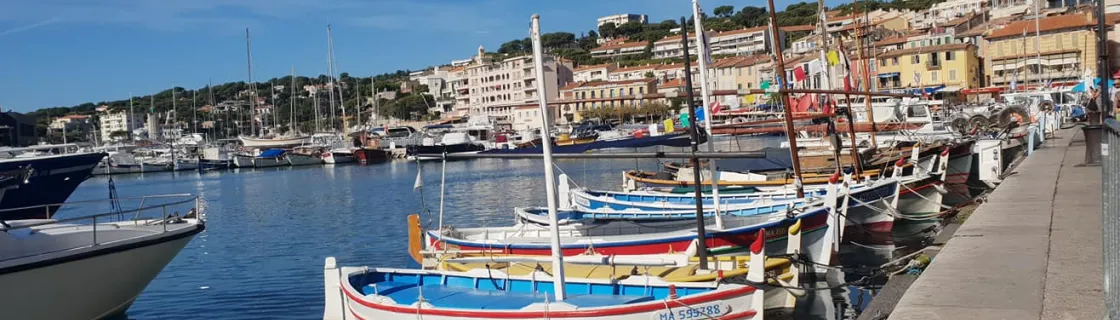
(466,292)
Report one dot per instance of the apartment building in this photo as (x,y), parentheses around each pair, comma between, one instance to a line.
(622,18)
(734,42)
(1067,50)
(952,9)
(120,121)
(618,48)
(71,123)
(945,68)
(598,72)
(588,95)
(495,87)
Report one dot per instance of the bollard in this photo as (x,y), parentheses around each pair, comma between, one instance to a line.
(1031,130)
(1092,143)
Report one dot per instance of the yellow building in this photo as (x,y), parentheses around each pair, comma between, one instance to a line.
(577,97)
(1067,49)
(955,66)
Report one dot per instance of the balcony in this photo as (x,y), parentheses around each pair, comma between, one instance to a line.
(933,65)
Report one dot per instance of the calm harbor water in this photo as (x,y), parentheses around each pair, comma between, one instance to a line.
(268,230)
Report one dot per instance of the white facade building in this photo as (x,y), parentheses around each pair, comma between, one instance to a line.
(734,42)
(950,9)
(120,121)
(495,88)
(620,19)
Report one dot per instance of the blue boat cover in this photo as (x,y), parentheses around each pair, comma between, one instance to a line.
(271,153)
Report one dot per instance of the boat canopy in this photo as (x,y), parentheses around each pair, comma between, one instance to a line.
(272,153)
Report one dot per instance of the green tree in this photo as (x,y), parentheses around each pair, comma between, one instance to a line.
(630,28)
(667,25)
(608,30)
(724,11)
(751,17)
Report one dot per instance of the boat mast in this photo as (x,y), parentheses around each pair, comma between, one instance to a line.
(315,94)
(694,134)
(550,185)
(705,97)
(334,70)
(130,119)
(292,99)
(194,111)
(330,72)
(252,88)
(867,82)
(272,96)
(783,96)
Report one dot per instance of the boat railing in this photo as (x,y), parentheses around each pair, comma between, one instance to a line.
(155,212)
(1110,213)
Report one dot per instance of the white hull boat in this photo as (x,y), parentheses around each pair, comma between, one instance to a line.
(336,156)
(274,142)
(42,260)
(243,161)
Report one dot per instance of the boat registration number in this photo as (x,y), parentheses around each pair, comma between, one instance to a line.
(695,312)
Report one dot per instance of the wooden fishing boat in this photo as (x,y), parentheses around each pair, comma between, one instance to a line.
(670,267)
(385,293)
(619,237)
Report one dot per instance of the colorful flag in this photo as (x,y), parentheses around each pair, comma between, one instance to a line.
(684,120)
(833,58)
(419,182)
(749,98)
(669,125)
(799,74)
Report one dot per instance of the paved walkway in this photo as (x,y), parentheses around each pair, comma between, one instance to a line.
(1032,251)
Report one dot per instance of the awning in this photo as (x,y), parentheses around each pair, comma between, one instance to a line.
(951,89)
(889,74)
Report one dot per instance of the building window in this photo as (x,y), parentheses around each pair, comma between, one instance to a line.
(952,75)
(641,90)
(1073,38)
(632,88)
(948,56)
(894,61)
(933,76)
(916,59)
(592,94)
(883,63)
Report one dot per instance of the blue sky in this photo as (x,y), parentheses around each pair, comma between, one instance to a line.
(65,52)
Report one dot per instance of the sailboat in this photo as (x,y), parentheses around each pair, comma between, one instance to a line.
(386,293)
(290,140)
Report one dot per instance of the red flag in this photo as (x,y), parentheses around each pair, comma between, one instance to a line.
(799,73)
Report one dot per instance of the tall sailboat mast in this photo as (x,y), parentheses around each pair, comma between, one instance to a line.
(550,186)
(780,70)
(330,73)
(292,99)
(334,73)
(252,88)
(705,98)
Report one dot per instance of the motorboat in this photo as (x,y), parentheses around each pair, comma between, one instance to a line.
(57,170)
(454,142)
(114,255)
(338,155)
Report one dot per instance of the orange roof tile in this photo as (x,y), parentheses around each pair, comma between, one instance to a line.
(891,41)
(673,83)
(797,28)
(1055,23)
(591,84)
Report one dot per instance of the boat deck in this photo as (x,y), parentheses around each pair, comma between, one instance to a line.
(440,296)
(1031,251)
